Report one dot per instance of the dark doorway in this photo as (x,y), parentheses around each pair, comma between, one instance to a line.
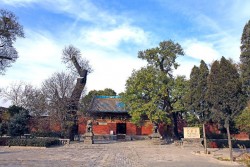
(121,128)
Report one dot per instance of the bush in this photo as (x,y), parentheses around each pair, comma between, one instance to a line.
(3,141)
(216,136)
(37,142)
(223,143)
(47,134)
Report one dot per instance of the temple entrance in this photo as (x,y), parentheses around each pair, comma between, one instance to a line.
(121,128)
(121,131)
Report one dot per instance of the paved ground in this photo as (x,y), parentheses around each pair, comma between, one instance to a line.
(127,154)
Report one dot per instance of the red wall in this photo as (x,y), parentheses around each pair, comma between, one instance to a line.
(104,126)
(241,136)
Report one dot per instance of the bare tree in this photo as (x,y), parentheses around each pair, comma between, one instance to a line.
(9,30)
(63,91)
(57,89)
(60,94)
(72,58)
(26,96)
(13,93)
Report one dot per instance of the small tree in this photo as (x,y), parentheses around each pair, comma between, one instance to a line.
(243,120)
(10,29)
(3,128)
(18,124)
(224,94)
(198,103)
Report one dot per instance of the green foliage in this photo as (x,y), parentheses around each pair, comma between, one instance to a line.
(10,29)
(14,110)
(224,94)
(245,59)
(143,96)
(226,101)
(164,56)
(152,92)
(178,93)
(3,128)
(243,120)
(191,119)
(36,142)
(198,88)
(18,124)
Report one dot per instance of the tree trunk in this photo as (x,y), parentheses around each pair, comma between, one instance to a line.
(176,134)
(74,100)
(229,140)
(204,138)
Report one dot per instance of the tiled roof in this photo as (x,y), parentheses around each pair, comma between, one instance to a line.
(104,104)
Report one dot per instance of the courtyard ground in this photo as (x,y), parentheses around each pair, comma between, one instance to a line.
(115,154)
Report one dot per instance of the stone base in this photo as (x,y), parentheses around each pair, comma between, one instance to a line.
(192,142)
(156,139)
(88,138)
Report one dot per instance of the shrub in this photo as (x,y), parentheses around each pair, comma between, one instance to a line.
(37,142)
(3,141)
(223,143)
(47,134)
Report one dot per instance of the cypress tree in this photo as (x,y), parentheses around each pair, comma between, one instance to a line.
(224,94)
(198,88)
(245,59)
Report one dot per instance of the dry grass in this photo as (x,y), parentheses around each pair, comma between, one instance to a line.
(244,158)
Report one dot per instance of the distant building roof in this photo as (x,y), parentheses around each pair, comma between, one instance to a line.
(107,104)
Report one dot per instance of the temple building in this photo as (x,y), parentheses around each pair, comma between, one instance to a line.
(110,118)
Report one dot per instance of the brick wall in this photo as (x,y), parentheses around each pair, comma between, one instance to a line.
(147,128)
(241,136)
(104,126)
(131,129)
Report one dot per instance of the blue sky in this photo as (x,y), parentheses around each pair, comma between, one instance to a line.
(110,33)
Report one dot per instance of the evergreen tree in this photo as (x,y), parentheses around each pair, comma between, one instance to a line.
(18,124)
(193,84)
(198,88)
(224,94)
(243,120)
(245,59)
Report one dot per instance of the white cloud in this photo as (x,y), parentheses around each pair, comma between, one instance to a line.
(200,50)
(186,66)
(39,57)
(78,9)
(110,71)
(112,38)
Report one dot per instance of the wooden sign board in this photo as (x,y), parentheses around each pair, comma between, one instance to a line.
(191,132)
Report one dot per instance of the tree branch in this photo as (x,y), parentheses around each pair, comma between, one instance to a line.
(5,57)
